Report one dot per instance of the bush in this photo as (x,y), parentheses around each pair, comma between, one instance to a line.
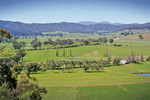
(148,59)
(116,61)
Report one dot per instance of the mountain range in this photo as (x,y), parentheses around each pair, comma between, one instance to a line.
(92,23)
(19,28)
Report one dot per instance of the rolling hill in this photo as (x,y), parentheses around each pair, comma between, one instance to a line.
(18,28)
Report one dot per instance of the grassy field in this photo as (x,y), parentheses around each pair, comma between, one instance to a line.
(136,37)
(65,86)
(120,92)
(86,52)
(110,75)
(68,85)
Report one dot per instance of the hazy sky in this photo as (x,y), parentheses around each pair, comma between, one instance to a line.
(49,11)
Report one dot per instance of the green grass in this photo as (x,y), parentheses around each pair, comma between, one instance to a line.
(110,75)
(120,92)
(137,47)
(115,74)
(60,93)
(114,92)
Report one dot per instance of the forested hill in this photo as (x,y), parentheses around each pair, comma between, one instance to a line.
(18,28)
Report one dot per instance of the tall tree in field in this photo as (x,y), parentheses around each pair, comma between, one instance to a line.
(56,51)
(141,57)
(70,52)
(132,57)
(63,51)
(111,41)
(141,37)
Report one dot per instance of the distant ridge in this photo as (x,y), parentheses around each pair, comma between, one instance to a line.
(103,22)
(19,28)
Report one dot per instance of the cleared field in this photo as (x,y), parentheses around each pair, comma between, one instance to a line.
(120,92)
(136,37)
(110,75)
(65,86)
(87,52)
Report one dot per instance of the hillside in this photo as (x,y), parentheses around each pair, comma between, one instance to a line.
(136,37)
(18,28)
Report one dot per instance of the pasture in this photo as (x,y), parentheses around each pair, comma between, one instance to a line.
(87,52)
(114,82)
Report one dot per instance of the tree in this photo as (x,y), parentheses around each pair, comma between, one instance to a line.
(50,41)
(85,67)
(6,78)
(22,90)
(21,54)
(132,57)
(17,45)
(17,68)
(35,43)
(111,41)
(56,51)
(63,51)
(141,37)
(4,34)
(32,67)
(70,52)
(10,89)
(141,57)
(116,61)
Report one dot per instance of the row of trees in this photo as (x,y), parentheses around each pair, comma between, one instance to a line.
(67,43)
(63,65)
(135,59)
(57,53)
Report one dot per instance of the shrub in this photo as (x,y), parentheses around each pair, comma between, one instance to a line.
(148,58)
(116,61)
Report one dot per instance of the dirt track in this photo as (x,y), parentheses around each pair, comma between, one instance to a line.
(94,85)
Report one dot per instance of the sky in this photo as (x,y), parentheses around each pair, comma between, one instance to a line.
(52,11)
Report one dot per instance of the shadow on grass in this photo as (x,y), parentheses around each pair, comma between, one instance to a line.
(95,72)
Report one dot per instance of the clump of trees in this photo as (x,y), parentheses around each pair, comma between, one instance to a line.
(141,37)
(10,87)
(13,89)
(133,59)
(18,45)
(35,43)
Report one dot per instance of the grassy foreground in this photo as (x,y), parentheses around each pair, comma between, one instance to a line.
(65,86)
(114,92)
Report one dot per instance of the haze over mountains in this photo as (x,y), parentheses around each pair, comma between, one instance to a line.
(103,22)
(18,28)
